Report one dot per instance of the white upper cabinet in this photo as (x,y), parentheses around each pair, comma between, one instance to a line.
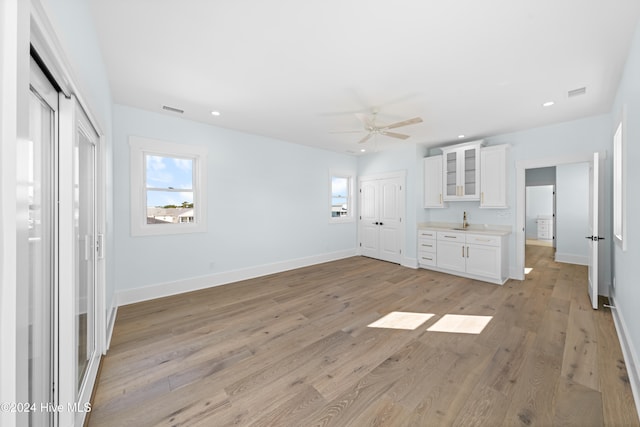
(493,176)
(461,171)
(433,197)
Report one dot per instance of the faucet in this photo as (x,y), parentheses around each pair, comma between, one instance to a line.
(465,224)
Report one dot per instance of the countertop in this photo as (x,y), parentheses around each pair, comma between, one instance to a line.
(494,230)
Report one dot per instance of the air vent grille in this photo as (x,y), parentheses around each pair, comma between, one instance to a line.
(172,109)
(577,92)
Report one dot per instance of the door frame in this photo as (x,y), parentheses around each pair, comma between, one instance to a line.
(402,176)
(521,167)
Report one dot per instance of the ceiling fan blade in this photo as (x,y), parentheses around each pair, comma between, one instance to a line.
(404,123)
(366,121)
(395,135)
(365,139)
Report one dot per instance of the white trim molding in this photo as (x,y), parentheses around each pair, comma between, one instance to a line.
(140,148)
(629,354)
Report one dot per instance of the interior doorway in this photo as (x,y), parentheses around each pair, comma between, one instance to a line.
(592,192)
(540,200)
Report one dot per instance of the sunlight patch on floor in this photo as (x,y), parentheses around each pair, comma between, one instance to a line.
(460,324)
(527,270)
(401,320)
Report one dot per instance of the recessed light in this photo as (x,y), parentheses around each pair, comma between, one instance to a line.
(215,113)
(548,104)
(460,136)
(362,150)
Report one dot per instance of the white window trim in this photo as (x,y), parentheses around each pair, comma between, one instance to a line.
(139,148)
(620,183)
(350,217)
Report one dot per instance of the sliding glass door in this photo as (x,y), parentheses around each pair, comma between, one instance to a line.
(37,239)
(84,213)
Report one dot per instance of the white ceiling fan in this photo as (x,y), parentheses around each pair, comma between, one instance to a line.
(373,128)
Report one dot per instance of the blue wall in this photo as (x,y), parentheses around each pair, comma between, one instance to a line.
(268,202)
(626,269)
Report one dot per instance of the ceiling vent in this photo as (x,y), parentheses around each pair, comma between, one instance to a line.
(577,92)
(172,109)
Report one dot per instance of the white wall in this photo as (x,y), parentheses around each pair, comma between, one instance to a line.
(268,206)
(572,213)
(626,268)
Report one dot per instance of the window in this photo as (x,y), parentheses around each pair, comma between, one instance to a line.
(341,199)
(168,193)
(619,185)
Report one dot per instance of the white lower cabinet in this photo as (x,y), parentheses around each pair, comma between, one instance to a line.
(451,251)
(427,248)
(477,256)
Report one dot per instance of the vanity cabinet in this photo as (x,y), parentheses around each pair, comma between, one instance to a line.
(461,171)
(493,176)
(433,197)
(480,256)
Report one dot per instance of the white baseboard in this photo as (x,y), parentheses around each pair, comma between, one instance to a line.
(572,259)
(629,353)
(409,262)
(196,283)
(111,321)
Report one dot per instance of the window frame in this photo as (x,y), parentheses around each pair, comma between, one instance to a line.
(350,176)
(620,182)
(139,149)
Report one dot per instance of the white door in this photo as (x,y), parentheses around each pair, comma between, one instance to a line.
(593,237)
(380,220)
(369,224)
(390,219)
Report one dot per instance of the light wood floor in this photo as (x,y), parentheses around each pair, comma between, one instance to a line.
(294,349)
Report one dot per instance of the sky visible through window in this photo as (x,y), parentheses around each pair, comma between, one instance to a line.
(168,174)
(339,190)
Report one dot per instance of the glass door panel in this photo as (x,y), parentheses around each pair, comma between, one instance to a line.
(451,174)
(38,179)
(85,252)
(470,156)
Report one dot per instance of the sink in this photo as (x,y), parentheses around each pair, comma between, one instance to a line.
(460,229)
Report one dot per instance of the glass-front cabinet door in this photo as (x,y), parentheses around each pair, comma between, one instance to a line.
(461,171)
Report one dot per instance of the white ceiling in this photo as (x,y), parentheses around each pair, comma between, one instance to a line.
(299,70)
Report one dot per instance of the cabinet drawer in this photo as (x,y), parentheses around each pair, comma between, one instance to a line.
(450,236)
(482,239)
(427,234)
(427,258)
(426,245)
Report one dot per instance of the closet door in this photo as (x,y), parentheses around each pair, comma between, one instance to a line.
(380,219)
(368,220)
